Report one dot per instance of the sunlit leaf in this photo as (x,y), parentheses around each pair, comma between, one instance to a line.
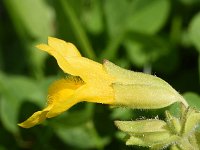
(93,16)
(143,16)
(193,99)
(34,15)
(139,15)
(194,31)
(14,91)
(143,50)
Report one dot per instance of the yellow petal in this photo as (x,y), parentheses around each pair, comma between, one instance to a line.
(70,82)
(59,92)
(90,71)
(65,49)
(98,94)
(63,64)
(70,61)
(60,100)
(35,119)
(63,101)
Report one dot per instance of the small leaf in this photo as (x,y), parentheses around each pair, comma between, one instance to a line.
(139,15)
(93,17)
(33,16)
(194,31)
(14,91)
(144,16)
(145,49)
(193,99)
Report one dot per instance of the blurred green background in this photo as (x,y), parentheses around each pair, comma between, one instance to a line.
(160,37)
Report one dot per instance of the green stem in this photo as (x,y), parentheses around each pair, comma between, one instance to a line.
(99,145)
(78,29)
(90,108)
(112,47)
(175,33)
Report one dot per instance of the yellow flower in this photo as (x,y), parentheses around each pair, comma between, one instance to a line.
(93,82)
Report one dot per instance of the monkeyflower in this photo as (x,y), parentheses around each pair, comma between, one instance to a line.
(93,82)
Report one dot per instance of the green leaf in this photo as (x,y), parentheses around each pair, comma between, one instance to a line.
(14,91)
(193,99)
(67,119)
(8,113)
(116,16)
(33,22)
(189,2)
(144,16)
(2,148)
(199,68)
(34,16)
(143,49)
(92,15)
(194,31)
(77,28)
(138,15)
(81,136)
(1,58)
(76,128)
(122,113)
